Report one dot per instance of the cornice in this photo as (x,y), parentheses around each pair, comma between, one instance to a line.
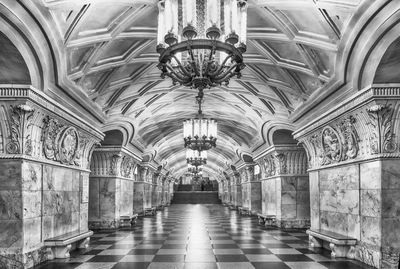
(119,149)
(24,157)
(27,92)
(350,104)
(283,147)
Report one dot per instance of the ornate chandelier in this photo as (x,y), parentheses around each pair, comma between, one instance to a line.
(196,158)
(214,40)
(200,134)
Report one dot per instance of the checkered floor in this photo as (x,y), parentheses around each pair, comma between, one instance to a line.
(200,236)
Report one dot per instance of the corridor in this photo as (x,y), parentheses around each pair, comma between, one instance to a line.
(200,237)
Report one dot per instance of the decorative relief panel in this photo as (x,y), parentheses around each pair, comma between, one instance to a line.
(112,162)
(127,166)
(360,134)
(64,144)
(31,131)
(285,160)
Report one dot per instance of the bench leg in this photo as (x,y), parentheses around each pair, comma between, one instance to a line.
(61,252)
(314,242)
(342,251)
(84,244)
(269,222)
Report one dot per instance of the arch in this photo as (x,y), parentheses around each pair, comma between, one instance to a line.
(19,36)
(388,70)
(13,68)
(126,128)
(268,130)
(373,29)
(113,138)
(283,136)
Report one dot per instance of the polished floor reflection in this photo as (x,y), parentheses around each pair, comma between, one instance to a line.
(200,236)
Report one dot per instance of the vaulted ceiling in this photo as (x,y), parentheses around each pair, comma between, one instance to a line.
(110,55)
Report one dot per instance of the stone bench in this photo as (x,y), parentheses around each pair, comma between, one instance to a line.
(244,211)
(266,220)
(59,247)
(340,245)
(232,207)
(150,211)
(127,221)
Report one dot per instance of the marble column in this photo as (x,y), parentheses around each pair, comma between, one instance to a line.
(353,156)
(111,186)
(285,186)
(44,172)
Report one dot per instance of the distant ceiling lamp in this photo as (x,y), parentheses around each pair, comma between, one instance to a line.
(194,170)
(196,158)
(200,134)
(205,48)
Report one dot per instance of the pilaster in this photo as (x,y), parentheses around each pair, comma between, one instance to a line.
(111,186)
(285,186)
(45,153)
(353,155)
(250,188)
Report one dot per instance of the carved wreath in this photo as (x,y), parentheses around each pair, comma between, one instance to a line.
(60,143)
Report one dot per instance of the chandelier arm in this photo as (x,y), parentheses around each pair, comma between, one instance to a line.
(221,66)
(226,78)
(226,72)
(192,62)
(176,79)
(212,52)
(180,66)
(172,71)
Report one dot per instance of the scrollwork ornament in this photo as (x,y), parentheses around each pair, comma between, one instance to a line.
(126,166)
(50,133)
(269,166)
(114,165)
(350,137)
(280,163)
(20,124)
(382,138)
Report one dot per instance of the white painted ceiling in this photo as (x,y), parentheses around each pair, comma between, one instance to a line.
(110,55)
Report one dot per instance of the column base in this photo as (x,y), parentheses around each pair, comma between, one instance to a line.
(21,260)
(293,223)
(104,224)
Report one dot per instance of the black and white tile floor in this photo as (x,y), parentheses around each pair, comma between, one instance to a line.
(200,237)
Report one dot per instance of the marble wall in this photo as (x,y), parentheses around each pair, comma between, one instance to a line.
(255,196)
(39,201)
(138,197)
(361,200)
(246,192)
(269,197)
(238,194)
(109,198)
(288,198)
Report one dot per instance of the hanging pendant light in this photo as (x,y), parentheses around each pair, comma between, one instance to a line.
(196,158)
(200,133)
